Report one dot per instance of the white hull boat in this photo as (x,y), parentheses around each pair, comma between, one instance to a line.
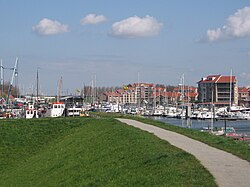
(55,110)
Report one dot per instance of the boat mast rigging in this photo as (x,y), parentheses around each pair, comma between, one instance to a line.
(2,80)
(230,90)
(12,79)
(59,89)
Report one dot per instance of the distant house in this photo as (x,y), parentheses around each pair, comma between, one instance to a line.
(142,91)
(112,97)
(191,96)
(190,93)
(146,93)
(165,97)
(244,97)
(218,89)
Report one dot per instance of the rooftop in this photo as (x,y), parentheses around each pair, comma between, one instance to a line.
(218,79)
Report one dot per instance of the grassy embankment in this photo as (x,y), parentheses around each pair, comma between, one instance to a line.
(236,147)
(91,152)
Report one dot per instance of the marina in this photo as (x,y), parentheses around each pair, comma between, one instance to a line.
(217,105)
(125,93)
(241,126)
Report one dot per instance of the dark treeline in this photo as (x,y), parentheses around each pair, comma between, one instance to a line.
(87,91)
(170,88)
(93,94)
(14,90)
(97,91)
(90,91)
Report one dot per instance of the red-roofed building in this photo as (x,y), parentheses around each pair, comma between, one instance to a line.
(165,97)
(244,97)
(190,93)
(186,89)
(113,97)
(128,96)
(143,92)
(216,89)
(191,96)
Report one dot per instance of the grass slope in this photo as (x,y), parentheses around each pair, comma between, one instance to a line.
(92,152)
(20,139)
(238,148)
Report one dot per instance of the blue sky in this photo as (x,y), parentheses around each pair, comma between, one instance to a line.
(114,40)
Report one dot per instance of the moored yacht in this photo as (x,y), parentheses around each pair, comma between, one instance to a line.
(246,115)
(73,111)
(56,109)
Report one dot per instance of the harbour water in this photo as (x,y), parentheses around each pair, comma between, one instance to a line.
(241,126)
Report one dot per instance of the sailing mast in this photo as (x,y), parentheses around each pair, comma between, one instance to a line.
(154,104)
(182,97)
(16,82)
(212,110)
(95,90)
(2,80)
(138,90)
(92,91)
(182,93)
(37,86)
(230,94)
(59,89)
(12,79)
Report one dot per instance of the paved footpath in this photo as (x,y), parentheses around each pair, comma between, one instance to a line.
(227,169)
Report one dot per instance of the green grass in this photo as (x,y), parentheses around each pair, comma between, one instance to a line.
(91,152)
(236,147)
(21,138)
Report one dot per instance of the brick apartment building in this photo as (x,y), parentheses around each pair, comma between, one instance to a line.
(218,89)
(145,93)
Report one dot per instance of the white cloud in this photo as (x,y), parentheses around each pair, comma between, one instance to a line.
(136,27)
(50,27)
(237,26)
(93,19)
(214,35)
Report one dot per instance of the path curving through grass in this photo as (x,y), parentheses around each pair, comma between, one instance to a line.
(92,152)
(227,169)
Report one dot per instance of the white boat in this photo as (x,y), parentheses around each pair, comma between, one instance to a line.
(222,131)
(55,110)
(74,111)
(157,112)
(246,115)
(31,112)
(170,112)
(203,115)
(181,114)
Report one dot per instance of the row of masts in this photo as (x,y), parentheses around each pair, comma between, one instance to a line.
(14,77)
(92,89)
(93,84)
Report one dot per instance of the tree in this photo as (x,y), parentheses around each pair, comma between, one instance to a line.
(14,91)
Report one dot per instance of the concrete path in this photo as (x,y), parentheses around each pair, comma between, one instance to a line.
(227,169)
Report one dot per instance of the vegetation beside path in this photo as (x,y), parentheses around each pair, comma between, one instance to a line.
(91,152)
(236,147)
